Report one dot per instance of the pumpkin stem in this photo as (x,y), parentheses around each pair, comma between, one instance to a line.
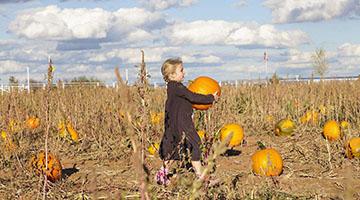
(261,145)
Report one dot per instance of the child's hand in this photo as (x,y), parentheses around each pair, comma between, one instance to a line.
(216,96)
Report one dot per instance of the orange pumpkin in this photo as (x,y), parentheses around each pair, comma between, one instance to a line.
(67,131)
(73,134)
(331,130)
(237,134)
(353,147)
(204,85)
(267,162)
(53,171)
(33,122)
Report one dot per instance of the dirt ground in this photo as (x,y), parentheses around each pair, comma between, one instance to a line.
(104,179)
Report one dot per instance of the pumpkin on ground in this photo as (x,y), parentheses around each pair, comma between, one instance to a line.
(331,130)
(53,171)
(153,148)
(267,162)
(33,122)
(353,148)
(344,124)
(8,142)
(156,117)
(284,127)
(310,116)
(237,134)
(204,85)
(67,131)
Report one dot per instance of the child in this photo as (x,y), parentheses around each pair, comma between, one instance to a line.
(180,134)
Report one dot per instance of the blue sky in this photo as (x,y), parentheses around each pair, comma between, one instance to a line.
(222,39)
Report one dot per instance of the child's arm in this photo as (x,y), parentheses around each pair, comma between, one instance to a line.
(182,91)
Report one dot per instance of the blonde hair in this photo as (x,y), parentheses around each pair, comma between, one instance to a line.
(169,66)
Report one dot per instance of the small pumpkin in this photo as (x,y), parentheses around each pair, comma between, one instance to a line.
(156,117)
(331,130)
(310,116)
(344,124)
(54,169)
(267,162)
(236,131)
(284,127)
(353,148)
(33,122)
(204,85)
(9,144)
(201,134)
(67,131)
(153,148)
(73,134)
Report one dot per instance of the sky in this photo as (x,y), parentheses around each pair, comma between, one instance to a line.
(223,39)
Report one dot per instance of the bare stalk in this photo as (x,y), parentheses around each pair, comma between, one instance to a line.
(47,121)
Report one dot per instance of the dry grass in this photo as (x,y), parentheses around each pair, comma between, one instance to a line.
(103,166)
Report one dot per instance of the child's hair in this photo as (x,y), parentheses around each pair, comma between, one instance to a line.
(169,67)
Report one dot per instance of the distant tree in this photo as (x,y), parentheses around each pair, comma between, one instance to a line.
(319,62)
(13,81)
(83,79)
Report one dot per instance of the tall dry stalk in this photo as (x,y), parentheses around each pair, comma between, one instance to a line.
(47,121)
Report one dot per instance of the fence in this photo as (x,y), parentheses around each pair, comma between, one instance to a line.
(30,86)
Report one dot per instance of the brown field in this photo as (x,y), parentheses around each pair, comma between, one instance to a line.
(115,128)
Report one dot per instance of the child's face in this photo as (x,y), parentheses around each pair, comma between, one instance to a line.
(179,73)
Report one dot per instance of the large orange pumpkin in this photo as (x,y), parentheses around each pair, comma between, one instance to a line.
(204,85)
(33,122)
(267,162)
(331,130)
(53,171)
(284,127)
(237,134)
(353,147)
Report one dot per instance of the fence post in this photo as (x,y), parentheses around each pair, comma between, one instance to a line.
(28,79)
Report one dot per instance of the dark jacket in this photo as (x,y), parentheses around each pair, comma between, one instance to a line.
(179,123)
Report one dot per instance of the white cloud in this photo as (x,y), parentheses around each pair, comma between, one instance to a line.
(288,11)
(14,1)
(348,49)
(221,32)
(54,23)
(241,3)
(166,4)
(10,66)
(206,59)
(133,55)
(77,68)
